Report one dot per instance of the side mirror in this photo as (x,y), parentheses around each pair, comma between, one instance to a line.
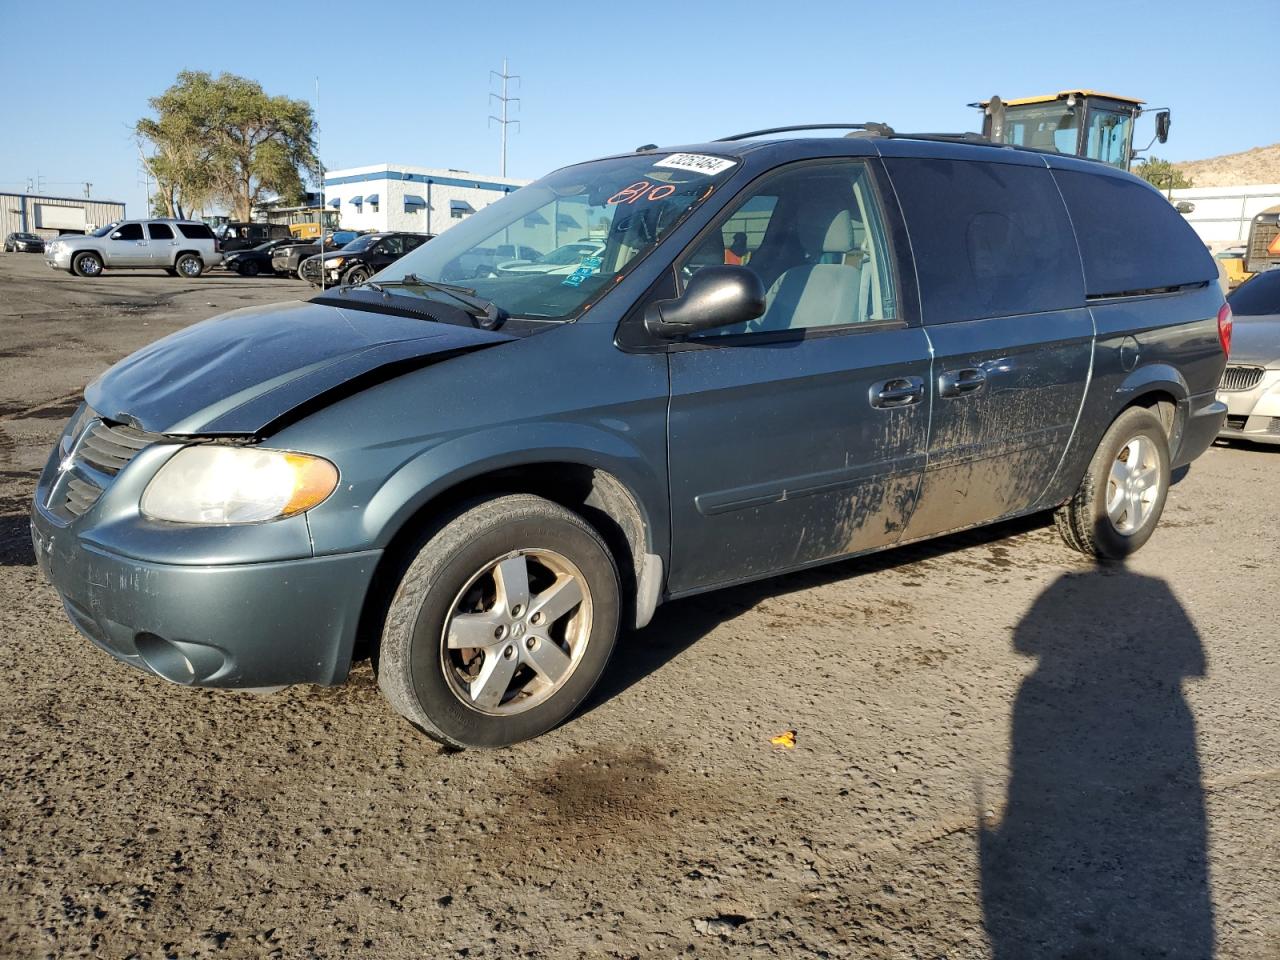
(1162,126)
(714,297)
(117,235)
(1184,207)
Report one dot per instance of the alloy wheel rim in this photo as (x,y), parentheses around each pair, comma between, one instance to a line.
(1133,486)
(188,266)
(90,265)
(516,632)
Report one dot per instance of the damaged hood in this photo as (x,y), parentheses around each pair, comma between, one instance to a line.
(238,373)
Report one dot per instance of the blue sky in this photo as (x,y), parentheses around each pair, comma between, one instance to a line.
(409,82)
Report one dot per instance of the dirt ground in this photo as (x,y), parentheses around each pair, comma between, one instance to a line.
(1000,750)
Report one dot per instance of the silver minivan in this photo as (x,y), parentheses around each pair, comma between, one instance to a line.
(185,248)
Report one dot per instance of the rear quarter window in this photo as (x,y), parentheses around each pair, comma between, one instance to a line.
(989,239)
(195,231)
(1131,239)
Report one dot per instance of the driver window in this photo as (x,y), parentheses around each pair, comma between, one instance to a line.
(130,231)
(814,236)
(392,246)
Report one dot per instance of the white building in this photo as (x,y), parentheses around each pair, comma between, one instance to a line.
(1222,214)
(422,199)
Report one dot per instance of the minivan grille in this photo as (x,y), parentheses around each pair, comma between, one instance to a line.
(1240,378)
(98,454)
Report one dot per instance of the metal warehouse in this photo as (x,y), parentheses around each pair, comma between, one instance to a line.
(397,197)
(53,216)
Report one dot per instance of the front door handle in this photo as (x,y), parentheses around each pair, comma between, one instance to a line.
(958,383)
(898,392)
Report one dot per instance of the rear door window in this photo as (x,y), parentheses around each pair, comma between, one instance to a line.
(159,231)
(990,239)
(1131,238)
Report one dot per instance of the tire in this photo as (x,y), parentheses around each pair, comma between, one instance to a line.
(356,275)
(248,268)
(1086,523)
(86,264)
(454,581)
(170,271)
(189,266)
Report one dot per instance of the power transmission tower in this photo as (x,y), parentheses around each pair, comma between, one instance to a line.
(504,100)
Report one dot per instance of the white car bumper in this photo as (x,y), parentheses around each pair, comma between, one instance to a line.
(1253,413)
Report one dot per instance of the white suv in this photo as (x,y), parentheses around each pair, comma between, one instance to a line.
(182,247)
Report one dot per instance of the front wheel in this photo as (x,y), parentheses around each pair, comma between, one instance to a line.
(501,624)
(248,268)
(356,275)
(86,264)
(189,265)
(1118,503)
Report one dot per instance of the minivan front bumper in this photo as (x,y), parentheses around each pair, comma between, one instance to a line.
(246,625)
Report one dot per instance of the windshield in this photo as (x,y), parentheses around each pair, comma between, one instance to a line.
(597,219)
(103,231)
(359,243)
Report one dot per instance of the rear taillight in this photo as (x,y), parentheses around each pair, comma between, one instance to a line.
(217,245)
(1224,328)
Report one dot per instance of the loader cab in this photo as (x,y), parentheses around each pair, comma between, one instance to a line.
(1082,123)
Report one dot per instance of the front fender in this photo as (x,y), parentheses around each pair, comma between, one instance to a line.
(459,459)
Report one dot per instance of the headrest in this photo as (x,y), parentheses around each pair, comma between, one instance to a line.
(839,238)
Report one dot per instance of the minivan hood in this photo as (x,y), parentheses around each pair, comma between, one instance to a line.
(1256,341)
(238,373)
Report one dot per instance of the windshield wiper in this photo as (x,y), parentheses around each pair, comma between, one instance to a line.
(488,314)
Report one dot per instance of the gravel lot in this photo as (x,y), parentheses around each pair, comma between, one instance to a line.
(1000,750)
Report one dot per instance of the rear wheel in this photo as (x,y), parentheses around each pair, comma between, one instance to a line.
(1119,501)
(189,265)
(501,625)
(87,264)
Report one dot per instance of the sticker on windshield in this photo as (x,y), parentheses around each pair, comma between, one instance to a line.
(696,163)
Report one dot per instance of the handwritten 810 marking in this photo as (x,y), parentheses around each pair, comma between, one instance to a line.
(641,190)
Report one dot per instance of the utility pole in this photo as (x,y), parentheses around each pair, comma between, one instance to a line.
(504,100)
(88,189)
(320,177)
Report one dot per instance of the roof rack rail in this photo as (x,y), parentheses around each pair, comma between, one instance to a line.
(963,137)
(877,129)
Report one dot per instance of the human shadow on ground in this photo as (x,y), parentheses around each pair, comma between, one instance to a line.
(1101,848)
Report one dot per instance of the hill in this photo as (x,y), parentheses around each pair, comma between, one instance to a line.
(1259,165)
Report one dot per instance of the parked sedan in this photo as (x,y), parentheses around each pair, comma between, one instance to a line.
(23,243)
(256,260)
(1251,383)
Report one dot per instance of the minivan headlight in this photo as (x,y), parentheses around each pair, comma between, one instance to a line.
(213,483)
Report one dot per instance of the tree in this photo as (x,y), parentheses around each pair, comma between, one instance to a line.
(225,139)
(1162,174)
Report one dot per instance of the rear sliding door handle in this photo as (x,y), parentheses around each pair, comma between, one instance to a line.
(898,392)
(957,383)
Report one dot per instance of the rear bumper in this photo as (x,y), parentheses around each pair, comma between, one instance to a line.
(235,625)
(1205,416)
